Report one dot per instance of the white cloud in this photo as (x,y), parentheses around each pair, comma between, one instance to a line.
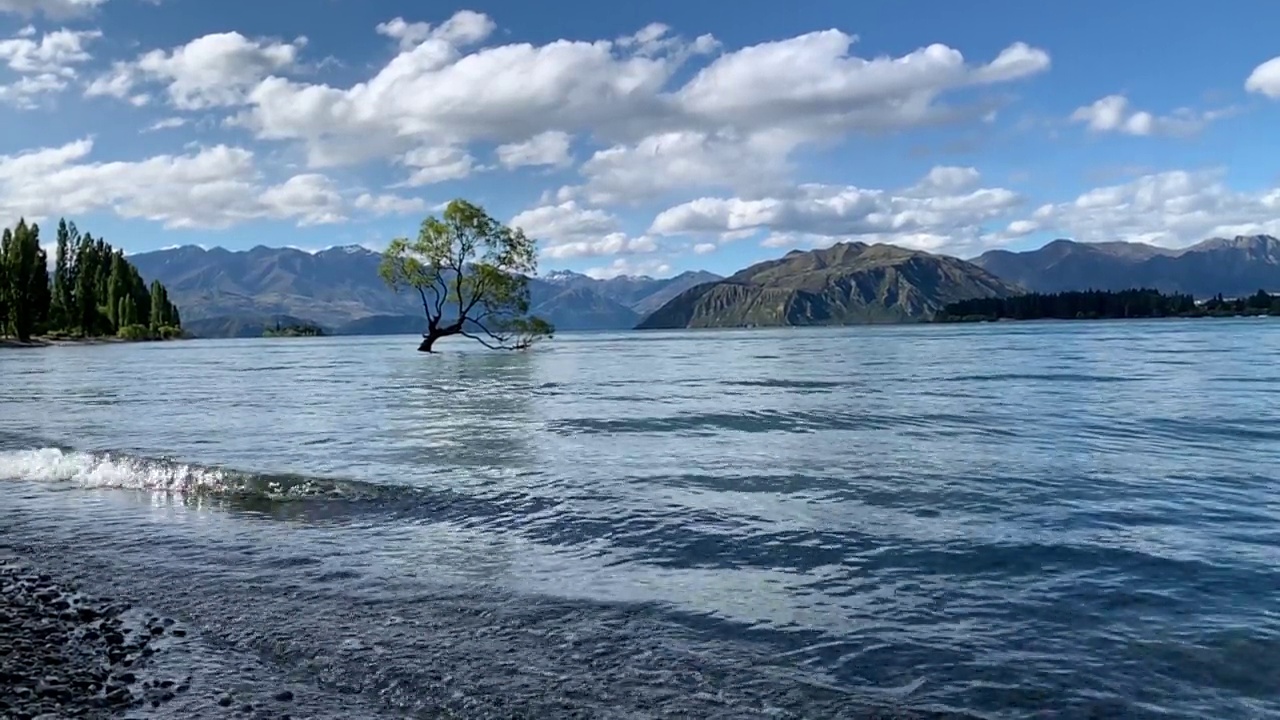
(765,100)
(465,28)
(168,123)
(409,34)
(568,230)
(813,82)
(607,246)
(437,164)
(630,267)
(24,93)
(57,9)
(43,66)
(55,53)
(215,70)
(1171,209)
(946,179)
(548,148)
(213,187)
(664,162)
(1265,79)
(389,204)
(564,222)
(950,216)
(1114,113)
(1021,228)
(705,248)
(311,198)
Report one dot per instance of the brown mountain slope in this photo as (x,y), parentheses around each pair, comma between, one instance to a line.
(848,283)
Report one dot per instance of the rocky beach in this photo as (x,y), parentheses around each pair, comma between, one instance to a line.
(66,654)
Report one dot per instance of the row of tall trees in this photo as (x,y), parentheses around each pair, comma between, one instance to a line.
(1098,304)
(94,291)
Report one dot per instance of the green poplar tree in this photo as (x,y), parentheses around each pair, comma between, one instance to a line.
(117,290)
(86,291)
(60,311)
(28,280)
(6,281)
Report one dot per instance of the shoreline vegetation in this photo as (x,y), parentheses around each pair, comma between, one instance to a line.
(94,295)
(302,330)
(1141,303)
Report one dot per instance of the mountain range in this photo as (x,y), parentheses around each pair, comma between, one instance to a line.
(1235,267)
(225,293)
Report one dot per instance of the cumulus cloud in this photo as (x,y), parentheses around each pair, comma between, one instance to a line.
(684,160)
(947,179)
(528,99)
(1265,79)
(630,267)
(215,70)
(466,27)
(813,80)
(568,230)
(566,221)
(56,9)
(42,66)
(1114,113)
(25,91)
(1171,209)
(944,210)
(548,148)
(213,187)
(389,204)
(437,164)
(56,52)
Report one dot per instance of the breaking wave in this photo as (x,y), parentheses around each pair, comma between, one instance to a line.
(126,472)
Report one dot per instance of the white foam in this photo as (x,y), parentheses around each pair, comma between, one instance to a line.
(53,465)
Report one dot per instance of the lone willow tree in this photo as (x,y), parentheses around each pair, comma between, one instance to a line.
(471,273)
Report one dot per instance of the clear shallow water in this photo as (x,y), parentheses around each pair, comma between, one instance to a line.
(1037,520)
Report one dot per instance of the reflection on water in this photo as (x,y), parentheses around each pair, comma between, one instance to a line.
(1079,518)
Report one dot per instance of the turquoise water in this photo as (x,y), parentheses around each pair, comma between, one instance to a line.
(998,521)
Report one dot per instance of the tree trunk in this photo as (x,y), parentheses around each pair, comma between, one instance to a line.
(435,332)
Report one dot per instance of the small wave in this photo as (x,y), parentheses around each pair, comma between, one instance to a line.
(125,472)
(789,384)
(1041,377)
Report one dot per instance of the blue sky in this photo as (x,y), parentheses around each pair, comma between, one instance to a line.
(647,137)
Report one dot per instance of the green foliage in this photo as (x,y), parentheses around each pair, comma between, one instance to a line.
(1098,304)
(94,290)
(135,332)
(471,273)
(304,330)
(26,282)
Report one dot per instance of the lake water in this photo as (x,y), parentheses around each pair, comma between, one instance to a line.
(999,521)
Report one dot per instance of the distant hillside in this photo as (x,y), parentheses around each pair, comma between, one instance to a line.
(1234,267)
(340,290)
(847,283)
(641,294)
(240,326)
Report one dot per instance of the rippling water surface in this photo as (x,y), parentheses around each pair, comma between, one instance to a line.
(1034,520)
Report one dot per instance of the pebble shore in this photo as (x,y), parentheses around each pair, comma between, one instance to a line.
(65,655)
